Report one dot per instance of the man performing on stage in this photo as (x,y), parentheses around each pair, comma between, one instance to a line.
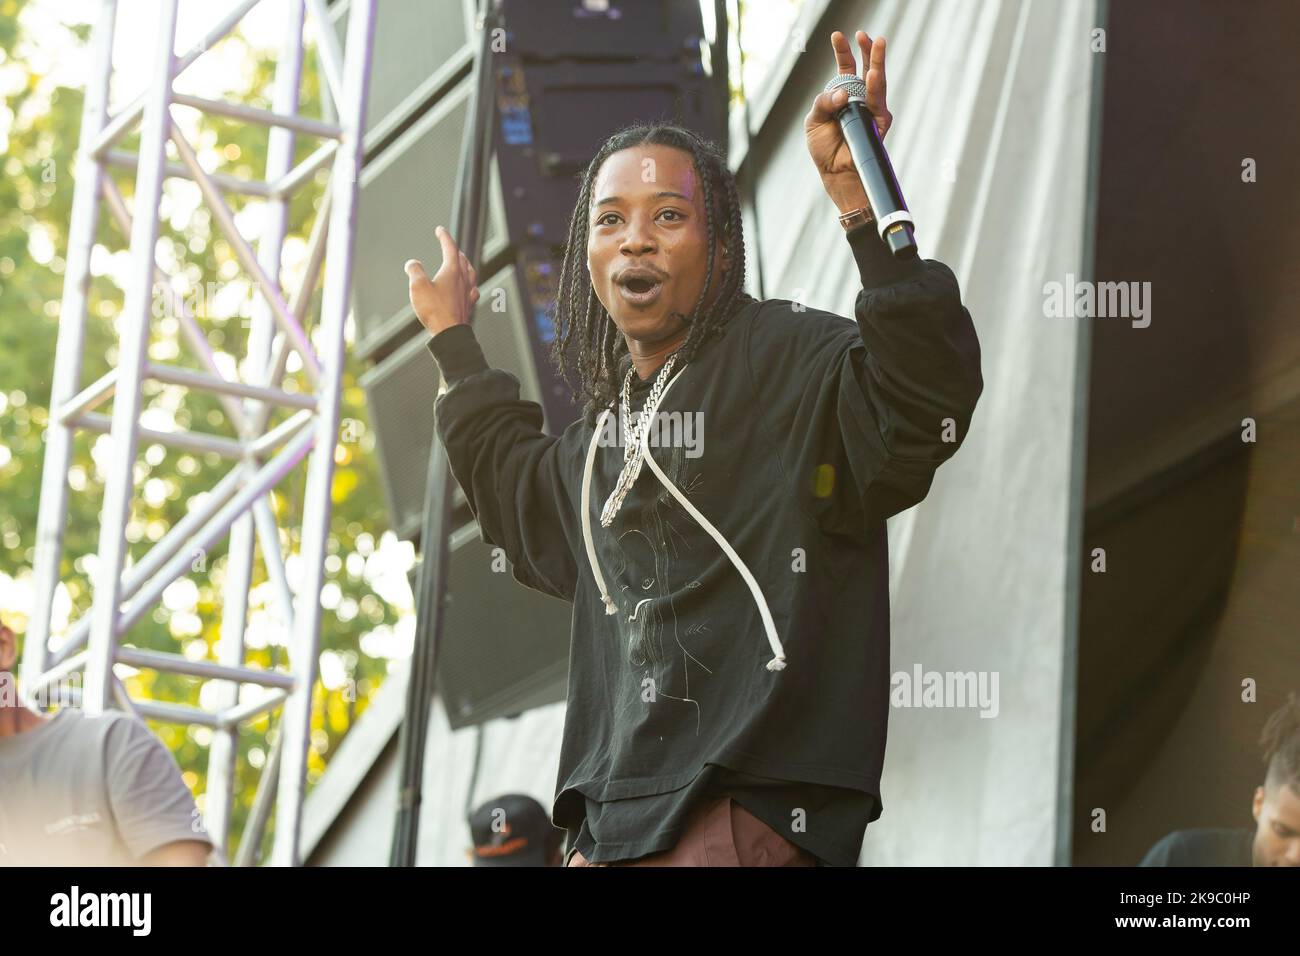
(717,516)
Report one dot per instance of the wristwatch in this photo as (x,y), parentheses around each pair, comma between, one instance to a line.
(856,217)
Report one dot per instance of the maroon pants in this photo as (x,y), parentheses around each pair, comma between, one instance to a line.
(720,832)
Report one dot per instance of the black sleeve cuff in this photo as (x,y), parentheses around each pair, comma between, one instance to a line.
(876,264)
(457,352)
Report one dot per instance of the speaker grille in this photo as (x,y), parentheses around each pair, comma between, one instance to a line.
(401,391)
(405,194)
(419,46)
(505,647)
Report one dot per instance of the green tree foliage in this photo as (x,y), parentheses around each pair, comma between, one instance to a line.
(42,121)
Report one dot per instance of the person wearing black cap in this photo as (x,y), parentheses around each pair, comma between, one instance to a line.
(514,830)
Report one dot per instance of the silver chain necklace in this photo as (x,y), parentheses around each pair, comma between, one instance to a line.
(636,437)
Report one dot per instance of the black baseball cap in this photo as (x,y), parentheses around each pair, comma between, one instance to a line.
(513,830)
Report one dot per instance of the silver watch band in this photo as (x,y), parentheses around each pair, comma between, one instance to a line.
(856,217)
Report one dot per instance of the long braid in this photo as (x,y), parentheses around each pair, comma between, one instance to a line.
(572,290)
(733,280)
(580,318)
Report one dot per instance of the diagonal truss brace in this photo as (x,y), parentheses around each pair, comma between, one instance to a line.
(239,503)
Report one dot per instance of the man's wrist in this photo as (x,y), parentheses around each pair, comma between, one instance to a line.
(856,219)
(457,351)
(877,266)
(848,195)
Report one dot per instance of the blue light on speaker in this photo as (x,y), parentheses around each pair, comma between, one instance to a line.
(516,126)
(545,327)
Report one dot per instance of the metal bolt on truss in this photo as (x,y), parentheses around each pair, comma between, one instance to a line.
(259,458)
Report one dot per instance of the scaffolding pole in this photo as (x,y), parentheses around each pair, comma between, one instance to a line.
(259,459)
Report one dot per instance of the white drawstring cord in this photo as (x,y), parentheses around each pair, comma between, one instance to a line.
(610,606)
(778,660)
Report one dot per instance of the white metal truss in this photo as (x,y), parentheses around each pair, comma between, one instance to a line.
(259,458)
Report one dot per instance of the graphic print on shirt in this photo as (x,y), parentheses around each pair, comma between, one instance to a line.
(655,550)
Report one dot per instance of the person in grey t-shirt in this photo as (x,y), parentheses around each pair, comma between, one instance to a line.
(89,790)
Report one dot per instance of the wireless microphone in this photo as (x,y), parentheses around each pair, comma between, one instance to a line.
(893,220)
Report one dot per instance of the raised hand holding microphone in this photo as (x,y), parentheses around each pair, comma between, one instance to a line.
(448,298)
(848,152)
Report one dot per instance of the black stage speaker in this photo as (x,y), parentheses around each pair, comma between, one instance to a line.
(603,29)
(406,192)
(401,390)
(505,648)
(553,118)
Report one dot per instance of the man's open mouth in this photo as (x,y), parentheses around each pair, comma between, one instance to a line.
(640,289)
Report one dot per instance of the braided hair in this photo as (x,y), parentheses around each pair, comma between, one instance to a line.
(582,323)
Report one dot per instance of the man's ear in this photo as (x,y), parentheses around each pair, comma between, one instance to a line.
(1258,803)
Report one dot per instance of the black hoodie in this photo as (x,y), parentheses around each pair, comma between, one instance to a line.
(731,625)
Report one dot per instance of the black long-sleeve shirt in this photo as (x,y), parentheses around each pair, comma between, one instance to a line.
(731,627)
